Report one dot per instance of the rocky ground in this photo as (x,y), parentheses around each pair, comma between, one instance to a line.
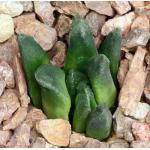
(23,125)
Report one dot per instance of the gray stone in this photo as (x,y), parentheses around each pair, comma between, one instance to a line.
(63,25)
(95,21)
(71,7)
(141,111)
(140,144)
(27,6)
(121,7)
(11,8)
(6,27)
(101,7)
(137,37)
(44,10)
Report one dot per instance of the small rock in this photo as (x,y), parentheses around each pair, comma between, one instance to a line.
(55,131)
(122,71)
(34,115)
(2,86)
(137,4)
(43,34)
(71,8)
(20,138)
(129,56)
(100,7)
(34,135)
(130,94)
(93,143)
(141,111)
(8,49)
(141,131)
(6,27)
(137,37)
(11,8)
(20,82)
(148,118)
(18,117)
(147,88)
(77,140)
(118,143)
(8,104)
(44,10)
(147,58)
(41,143)
(143,11)
(95,21)
(4,137)
(140,144)
(121,7)
(122,126)
(24,19)
(63,25)
(60,54)
(27,6)
(123,22)
(6,74)
(141,22)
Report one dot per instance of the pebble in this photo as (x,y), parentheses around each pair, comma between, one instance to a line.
(141,131)
(17,118)
(9,49)
(11,8)
(118,143)
(93,143)
(9,103)
(140,144)
(137,37)
(2,86)
(6,74)
(71,7)
(55,131)
(148,118)
(44,11)
(147,88)
(141,111)
(122,71)
(20,82)
(20,138)
(123,22)
(130,94)
(27,6)
(121,7)
(122,125)
(77,140)
(43,34)
(34,115)
(6,27)
(41,143)
(63,25)
(143,11)
(137,4)
(4,137)
(95,21)
(100,7)
(141,22)
(60,54)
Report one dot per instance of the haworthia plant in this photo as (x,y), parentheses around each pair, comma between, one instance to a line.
(32,56)
(101,80)
(111,47)
(81,45)
(55,98)
(84,103)
(99,122)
